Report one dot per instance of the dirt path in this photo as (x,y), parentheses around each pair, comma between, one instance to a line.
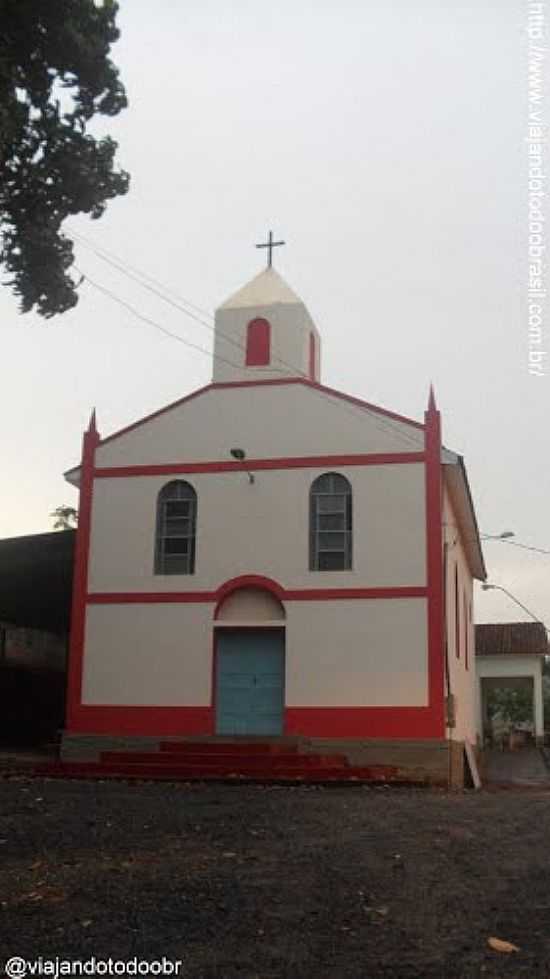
(523,767)
(301,883)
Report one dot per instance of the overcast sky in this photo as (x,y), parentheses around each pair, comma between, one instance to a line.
(384,142)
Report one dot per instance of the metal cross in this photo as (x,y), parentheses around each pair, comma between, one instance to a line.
(270,245)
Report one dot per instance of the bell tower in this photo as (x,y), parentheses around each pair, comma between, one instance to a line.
(264,332)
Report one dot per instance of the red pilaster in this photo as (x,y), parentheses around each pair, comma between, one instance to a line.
(434,539)
(90,442)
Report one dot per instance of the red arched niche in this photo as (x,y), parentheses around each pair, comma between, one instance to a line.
(258,343)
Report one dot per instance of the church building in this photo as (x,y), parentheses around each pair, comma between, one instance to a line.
(268,561)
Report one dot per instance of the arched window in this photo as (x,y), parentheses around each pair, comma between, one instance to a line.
(330,524)
(176,527)
(258,343)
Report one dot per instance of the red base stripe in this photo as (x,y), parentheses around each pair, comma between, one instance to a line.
(154,721)
(315,722)
(363,722)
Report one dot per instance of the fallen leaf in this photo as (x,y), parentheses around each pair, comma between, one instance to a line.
(498,945)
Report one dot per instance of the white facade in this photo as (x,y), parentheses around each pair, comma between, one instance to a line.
(356,639)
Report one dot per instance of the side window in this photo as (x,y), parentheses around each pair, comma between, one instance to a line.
(176,529)
(330,523)
(457,615)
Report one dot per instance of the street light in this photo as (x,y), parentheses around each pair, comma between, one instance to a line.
(487,587)
(505,536)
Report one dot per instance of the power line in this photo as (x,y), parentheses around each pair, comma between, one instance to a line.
(137,275)
(525,547)
(148,320)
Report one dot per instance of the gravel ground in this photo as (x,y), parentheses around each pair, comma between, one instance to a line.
(274,882)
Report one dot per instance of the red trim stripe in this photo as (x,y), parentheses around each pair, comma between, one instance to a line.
(288,595)
(297,462)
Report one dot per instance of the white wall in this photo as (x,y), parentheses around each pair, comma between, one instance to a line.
(338,653)
(262,529)
(147,655)
(512,666)
(462,680)
(357,653)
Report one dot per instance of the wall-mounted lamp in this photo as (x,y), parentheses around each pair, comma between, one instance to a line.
(240,456)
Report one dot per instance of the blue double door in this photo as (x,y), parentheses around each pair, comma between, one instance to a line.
(250,681)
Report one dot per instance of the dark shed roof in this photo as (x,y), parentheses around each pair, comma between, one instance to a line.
(500,638)
(36,574)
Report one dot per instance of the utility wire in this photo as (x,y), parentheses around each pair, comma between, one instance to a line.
(136,275)
(525,547)
(146,319)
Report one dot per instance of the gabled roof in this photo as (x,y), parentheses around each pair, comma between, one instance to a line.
(72,474)
(456,479)
(512,638)
(266,289)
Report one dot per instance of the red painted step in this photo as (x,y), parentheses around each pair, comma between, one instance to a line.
(229,747)
(220,770)
(222,760)
(104,770)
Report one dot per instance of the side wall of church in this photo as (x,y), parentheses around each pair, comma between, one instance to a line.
(460,628)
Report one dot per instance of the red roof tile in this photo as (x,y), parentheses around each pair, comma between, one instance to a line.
(517,638)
